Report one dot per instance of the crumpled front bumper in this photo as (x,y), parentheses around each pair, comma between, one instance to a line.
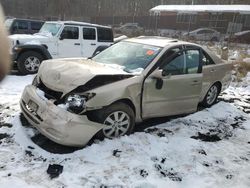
(56,123)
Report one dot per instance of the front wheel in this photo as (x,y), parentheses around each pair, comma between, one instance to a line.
(211,96)
(118,118)
(29,62)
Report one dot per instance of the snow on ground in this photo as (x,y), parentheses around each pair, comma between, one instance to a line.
(210,148)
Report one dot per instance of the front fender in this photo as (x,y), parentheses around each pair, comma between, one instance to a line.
(106,95)
(19,49)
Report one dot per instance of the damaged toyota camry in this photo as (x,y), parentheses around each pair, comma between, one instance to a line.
(72,100)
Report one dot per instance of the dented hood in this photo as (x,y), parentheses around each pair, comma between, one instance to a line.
(65,75)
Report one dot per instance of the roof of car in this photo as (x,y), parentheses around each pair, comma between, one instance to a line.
(78,23)
(158,41)
(22,19)
(242,33)
(200,29)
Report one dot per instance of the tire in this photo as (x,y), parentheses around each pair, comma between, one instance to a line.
(112,117)
(211,96)
(29,62)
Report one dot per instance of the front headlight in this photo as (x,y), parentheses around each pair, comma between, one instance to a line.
(77,103)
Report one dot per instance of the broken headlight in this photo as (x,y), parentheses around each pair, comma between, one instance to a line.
(77,103)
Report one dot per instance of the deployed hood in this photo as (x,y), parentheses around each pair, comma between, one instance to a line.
(28,39)
(65,75)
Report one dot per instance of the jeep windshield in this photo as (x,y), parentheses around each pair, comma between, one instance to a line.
(50,28)
(129,56)
(8,23)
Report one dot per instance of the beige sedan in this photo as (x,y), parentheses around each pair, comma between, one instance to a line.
(71,100)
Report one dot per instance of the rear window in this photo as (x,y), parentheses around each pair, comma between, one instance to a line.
(206,59)
(105,35)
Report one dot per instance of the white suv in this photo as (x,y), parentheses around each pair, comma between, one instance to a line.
(58,40)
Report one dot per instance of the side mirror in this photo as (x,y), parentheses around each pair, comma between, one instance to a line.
(61,37)
(157,74)
(166,74)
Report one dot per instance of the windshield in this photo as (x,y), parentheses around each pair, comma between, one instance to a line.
(131,57)
(50,28)
(8,23)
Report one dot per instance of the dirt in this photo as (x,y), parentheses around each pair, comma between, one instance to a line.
(8,125)
(202,152)
(229,176)
(159,132)
(171,174)
(4,135)
(117,153)
(143,173)
(207,137)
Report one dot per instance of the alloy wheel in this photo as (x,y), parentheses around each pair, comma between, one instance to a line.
(32,64)
(212,95)
(117,124)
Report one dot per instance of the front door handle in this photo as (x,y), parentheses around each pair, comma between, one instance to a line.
(93,44)
(77,44)
(195,83)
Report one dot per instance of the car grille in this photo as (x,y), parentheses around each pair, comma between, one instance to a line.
(49,93)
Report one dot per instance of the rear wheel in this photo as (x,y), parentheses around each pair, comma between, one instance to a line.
(211,96)
(118,118)
(29,62)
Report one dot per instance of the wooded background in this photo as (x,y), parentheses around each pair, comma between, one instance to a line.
(86,10)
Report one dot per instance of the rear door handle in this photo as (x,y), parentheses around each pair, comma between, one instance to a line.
(77,44)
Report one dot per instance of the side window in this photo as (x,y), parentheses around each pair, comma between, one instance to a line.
(89,33)
(70,32)
(36,25)
(182,62)
(192,58)
(206,60)
(21,25)
(201,32)
(176,66)
(105,35)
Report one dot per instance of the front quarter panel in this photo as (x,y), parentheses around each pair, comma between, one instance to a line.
(125,89)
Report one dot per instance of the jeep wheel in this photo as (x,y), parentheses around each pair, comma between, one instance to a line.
(119,119)
(29,62)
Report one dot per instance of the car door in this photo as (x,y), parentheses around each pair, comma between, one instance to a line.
(210,72)
(89,41)
(69,44)
(178,89)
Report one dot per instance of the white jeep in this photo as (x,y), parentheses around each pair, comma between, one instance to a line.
(58,40)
